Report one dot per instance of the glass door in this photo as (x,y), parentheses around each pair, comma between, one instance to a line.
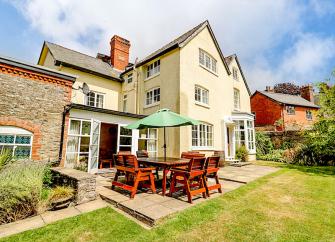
(93,159)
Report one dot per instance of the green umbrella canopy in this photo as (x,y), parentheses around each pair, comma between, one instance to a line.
(162,118)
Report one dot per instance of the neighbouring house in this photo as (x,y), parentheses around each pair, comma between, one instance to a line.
(32,119)
(283,111)
(189,76)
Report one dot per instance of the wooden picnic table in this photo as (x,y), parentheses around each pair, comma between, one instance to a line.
(165,163)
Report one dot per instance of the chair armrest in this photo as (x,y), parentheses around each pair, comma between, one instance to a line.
(147,168)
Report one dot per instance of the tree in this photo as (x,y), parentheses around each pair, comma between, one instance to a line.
(287,88)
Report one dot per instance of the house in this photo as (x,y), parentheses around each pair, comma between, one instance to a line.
(32,120)
(284,111)
(189,76)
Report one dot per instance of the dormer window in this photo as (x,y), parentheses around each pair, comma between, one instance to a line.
(94,99)
(154,68)
(235,73)
(207,61)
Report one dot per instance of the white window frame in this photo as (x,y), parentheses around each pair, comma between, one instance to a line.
(125,102)
(153,69)
(130,78)
(248,131)
(201,95)
(16,131)
(237,99)
(238,131)
(152,98)
(152,153)
(309,114)
(250,135)
(290,110)
(235,73)
(86,101)
(123,135)
(79,136)
(207,61)
(204,139)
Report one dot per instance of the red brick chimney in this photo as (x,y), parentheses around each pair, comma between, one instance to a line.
(119,52)
(307,93)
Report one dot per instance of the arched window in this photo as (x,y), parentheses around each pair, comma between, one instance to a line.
(16,140)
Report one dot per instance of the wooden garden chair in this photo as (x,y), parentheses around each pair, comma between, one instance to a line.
(211,171)
(140,174)
(192,177)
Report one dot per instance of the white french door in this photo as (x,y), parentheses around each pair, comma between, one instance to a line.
(93,158)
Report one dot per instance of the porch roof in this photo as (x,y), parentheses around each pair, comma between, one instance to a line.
(103,110)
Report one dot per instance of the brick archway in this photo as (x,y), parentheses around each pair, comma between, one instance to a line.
(27,125)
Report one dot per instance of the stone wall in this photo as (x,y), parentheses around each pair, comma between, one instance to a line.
(34,102)
(83,183)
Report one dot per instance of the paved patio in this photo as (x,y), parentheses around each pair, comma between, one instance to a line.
(151,208)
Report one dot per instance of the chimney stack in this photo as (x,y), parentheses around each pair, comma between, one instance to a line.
(269,89)
(307,93)
(119,52)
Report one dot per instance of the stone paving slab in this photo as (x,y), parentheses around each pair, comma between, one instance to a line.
(53,216)
(91,206)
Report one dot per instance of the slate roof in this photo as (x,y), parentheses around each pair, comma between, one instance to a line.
(85,62)
(181,41)
(294,100)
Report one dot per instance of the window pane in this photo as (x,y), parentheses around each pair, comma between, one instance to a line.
(22,139)
(142,144)
(72,144)
(6,148)
(84,144)
(6,139)
(74,127)
(86,128)
(22,151)
(153,133)
(124,131)
(71,158)
(125,140)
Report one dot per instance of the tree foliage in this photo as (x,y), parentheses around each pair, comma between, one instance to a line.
(287,88)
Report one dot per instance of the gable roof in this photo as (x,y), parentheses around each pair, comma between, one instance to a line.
(181,41)
(83,62)
(294,100)
(229,60)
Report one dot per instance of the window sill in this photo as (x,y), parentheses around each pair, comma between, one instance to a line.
(151,77)
(199,148)
(152,105)
(209,70)
(202,104)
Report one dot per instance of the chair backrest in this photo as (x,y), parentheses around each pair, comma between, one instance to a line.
(142,154)
(130,161)
(190,155)
(118,160)
(212,162)
(197,163)
(124,153)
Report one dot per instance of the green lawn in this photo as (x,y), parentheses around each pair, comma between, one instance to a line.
(293,204)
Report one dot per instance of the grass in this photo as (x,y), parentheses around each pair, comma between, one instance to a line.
(293,204)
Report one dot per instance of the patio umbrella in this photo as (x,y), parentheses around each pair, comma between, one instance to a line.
(161,119)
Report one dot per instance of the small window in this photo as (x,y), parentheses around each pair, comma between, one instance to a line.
(153,68)
(94,99)
(153,97)
(148,141)
(235,73)
(202,135)
(125,142)
(236,99)
(125,100)
(290,110)
(207,61)
(201,95)
(130,78)
(309,115)
(15,140)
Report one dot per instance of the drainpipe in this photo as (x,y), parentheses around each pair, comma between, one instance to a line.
(66,110)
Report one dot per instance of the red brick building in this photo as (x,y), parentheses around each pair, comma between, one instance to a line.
(284,111)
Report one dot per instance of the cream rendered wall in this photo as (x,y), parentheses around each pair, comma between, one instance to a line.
(129,89)
(240,85)
(219,85)
(110,88)
(168,81)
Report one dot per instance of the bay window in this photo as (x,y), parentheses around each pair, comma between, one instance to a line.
(244,134)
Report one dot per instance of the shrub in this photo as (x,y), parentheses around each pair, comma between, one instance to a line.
(61,192)
(5,157)
(21,184)
(263,144)
(241,153)
(275,155)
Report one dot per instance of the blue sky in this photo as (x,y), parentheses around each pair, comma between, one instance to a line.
(276,41)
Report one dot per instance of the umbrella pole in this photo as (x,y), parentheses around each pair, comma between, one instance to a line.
(164,145)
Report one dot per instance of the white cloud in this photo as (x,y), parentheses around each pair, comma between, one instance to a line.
(252,29)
